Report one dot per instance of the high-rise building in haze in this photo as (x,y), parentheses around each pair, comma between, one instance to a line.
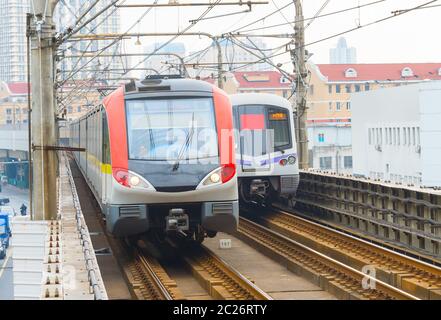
(342,54)
(13,40)
(164,64)
(234,57)
(105,67)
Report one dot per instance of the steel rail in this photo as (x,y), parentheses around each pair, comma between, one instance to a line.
(245,283)
(305,214)
(156,285)
(216,276)
(406,273)
(328,272)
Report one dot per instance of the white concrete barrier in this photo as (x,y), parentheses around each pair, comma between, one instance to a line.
(29,251)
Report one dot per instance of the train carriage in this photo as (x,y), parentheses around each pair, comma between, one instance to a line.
(155,159)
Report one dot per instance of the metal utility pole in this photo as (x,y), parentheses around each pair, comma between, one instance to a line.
(301,73)
(45,160)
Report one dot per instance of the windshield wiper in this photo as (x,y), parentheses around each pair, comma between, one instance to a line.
(184,148)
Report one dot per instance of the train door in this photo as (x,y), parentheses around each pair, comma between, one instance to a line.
(106,168)
(254,139)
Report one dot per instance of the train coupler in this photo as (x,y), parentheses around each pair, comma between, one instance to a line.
(177,221)
(259,188)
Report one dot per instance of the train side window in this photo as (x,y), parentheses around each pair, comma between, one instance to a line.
(106,140)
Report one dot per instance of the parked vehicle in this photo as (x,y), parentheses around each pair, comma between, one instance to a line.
(4,180)
(5,234)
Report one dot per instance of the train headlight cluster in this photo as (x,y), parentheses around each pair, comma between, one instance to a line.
(130,180)
(290,160)
(213,178)
(219,176)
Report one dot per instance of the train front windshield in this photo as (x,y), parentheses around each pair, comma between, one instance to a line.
(171,129)
(263,129)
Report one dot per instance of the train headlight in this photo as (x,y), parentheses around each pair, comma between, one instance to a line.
(292,160)
(283,162)
(134,181)
(215,177)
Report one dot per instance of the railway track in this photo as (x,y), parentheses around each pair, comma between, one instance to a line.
(332,275)
(219,278)
(150,281)
(415,277)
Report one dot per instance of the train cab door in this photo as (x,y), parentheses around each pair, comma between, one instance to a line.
(254,139)
(106,168)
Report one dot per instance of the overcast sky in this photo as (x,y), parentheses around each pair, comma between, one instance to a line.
(412,37)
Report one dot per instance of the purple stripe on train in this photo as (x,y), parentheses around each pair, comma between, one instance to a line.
(266,161)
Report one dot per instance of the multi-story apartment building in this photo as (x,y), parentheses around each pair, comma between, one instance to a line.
(14,107)
(272,82)
(331,87)
(13,103)
(13,40)
(104,67)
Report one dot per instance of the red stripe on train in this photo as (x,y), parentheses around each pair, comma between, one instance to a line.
(224,124)
(116,117)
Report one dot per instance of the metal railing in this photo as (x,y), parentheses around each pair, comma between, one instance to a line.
(408,216)
(93,271)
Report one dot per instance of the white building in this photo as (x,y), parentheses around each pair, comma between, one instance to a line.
(13,40)
(396,134)
(65,16)
(330,147)
(342,54)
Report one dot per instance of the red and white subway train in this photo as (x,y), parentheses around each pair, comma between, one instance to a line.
(160,157)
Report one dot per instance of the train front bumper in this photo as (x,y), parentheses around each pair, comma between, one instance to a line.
(127,220)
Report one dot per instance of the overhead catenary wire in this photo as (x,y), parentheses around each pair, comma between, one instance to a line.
(316,17)
(265,17)
(318,12)
(111,44)
(157,49)
(283,16)
(421,6)
(177,35)
(322,39)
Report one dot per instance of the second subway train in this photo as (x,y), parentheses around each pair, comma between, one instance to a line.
(160,156)
(266,149)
